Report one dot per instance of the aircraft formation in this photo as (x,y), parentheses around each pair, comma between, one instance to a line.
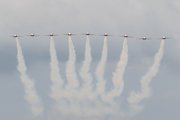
(105,34)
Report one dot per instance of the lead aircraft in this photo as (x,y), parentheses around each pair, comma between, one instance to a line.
(126,36)
(32,35)
(51,34)
(87,34)
(69,34)
(164,38)
(144,38)
(105,34)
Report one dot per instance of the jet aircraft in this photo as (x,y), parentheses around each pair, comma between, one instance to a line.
(126,36)
(51,34)
(69,34)
(15,36)
(144,38)
(32,35)
(164,38)
(87,34)
(105,34)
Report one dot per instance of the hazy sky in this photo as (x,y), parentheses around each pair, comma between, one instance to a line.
(150,18)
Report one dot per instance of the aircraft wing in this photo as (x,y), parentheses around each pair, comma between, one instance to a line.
(130,36)
(127,36)
(165,38)
(146,38)
(89,34)
(64,34)
(105,35)
(17,36)
(168,38)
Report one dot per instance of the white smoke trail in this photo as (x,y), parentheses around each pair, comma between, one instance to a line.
(100,69)
(71,108)
(136,98)
(31,95)
(71,73)
(71,89)
(55,76)
(118,75)
(84,73)
(86,109)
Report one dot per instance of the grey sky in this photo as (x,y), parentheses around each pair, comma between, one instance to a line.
(151,18)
